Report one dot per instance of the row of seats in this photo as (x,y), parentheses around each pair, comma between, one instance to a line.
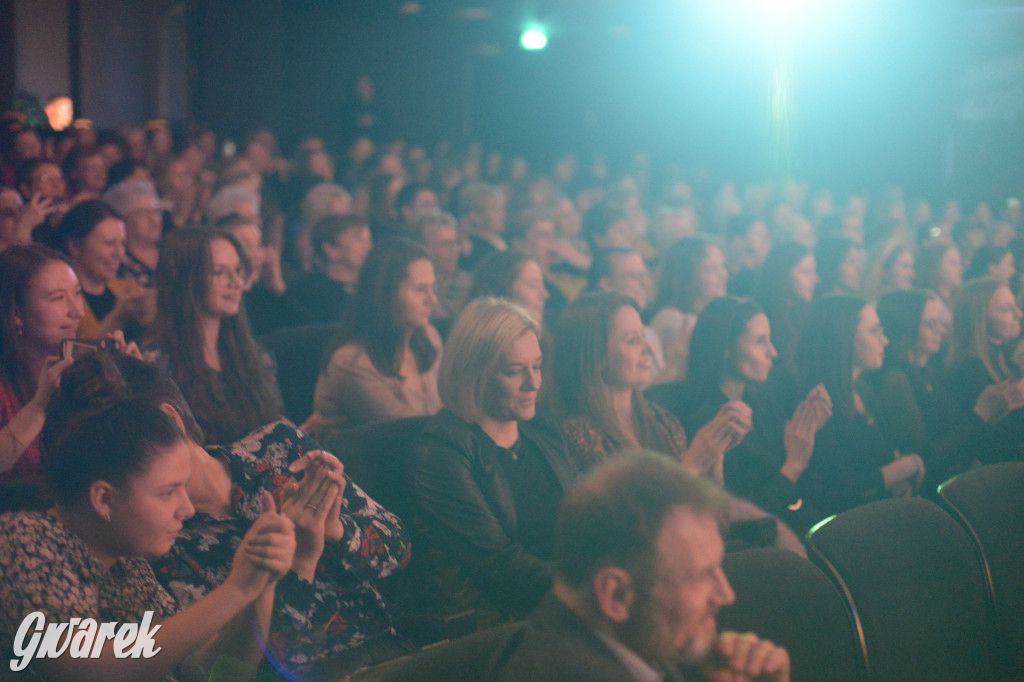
(900,589)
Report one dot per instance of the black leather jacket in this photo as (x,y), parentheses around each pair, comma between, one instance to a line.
(466,514)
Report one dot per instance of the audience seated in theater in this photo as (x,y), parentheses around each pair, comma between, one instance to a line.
(692,274)
(917,412)
(264,296)
(137,203)
(839,265)
(438,232)
(93,235)
(601,364)
(638,583)
(532,233)
(201,335)
(346,541)
(992,262)
(118,469)
(17,218)
(986,324)
(41,305)
(890,267)
(731,356)
(41,182)
(322,200)
(481,214)
(624,270)
(854,461)
(606,226)
(747,246)
(341,244)
(86,169)
(386,362)
(413,200)
(487,473)
(179,186)
(784,289)
(512,275)
(940,269)
(571,253)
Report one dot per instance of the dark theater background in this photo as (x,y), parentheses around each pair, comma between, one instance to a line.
(927,94)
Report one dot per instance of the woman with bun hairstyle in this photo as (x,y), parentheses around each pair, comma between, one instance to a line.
(118,471)
(345,540)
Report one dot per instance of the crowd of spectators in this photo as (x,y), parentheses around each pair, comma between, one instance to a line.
(803,351)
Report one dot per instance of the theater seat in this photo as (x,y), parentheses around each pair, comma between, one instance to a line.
(376,458)
(916,582)
(989,502)
(299,352)
(464,659)
(787,599)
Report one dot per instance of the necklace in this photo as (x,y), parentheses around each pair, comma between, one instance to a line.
(514,449)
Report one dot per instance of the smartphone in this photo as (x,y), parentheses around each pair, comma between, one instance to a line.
(81,348)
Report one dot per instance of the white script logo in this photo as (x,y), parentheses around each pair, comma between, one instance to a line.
(81,638)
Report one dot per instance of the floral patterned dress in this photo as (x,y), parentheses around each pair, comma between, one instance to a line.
(46,567)
(341,610)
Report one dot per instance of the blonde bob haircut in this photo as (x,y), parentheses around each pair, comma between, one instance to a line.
(473,352)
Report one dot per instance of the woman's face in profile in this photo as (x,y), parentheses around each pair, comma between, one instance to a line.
(629,356)
(901,274)
(512,392)
(53,307)
(415,299)
(755,353)
(951,268)
(929,335)
(1003,316)
(712,276)
(869,341)
(529,291)
(226,280)
(147,513)
(804,276)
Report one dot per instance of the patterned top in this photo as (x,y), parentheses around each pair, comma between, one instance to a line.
(27,469)
(590,445)
(342,609)
(46,567)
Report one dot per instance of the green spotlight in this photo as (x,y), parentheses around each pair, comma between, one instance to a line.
(533,39)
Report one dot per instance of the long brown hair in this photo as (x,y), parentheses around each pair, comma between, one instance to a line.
(182,276)
(580,368)
(18,267)
(970,329)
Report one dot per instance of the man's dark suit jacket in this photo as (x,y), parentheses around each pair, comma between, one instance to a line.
(558,646)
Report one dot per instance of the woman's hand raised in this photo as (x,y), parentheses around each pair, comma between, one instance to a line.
(265,553)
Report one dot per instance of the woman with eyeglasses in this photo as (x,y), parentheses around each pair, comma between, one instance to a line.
(201,335)
(919,413)
(980,367)
(854,460)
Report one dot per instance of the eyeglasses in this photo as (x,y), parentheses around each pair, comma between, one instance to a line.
(226,275)
(935,324)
